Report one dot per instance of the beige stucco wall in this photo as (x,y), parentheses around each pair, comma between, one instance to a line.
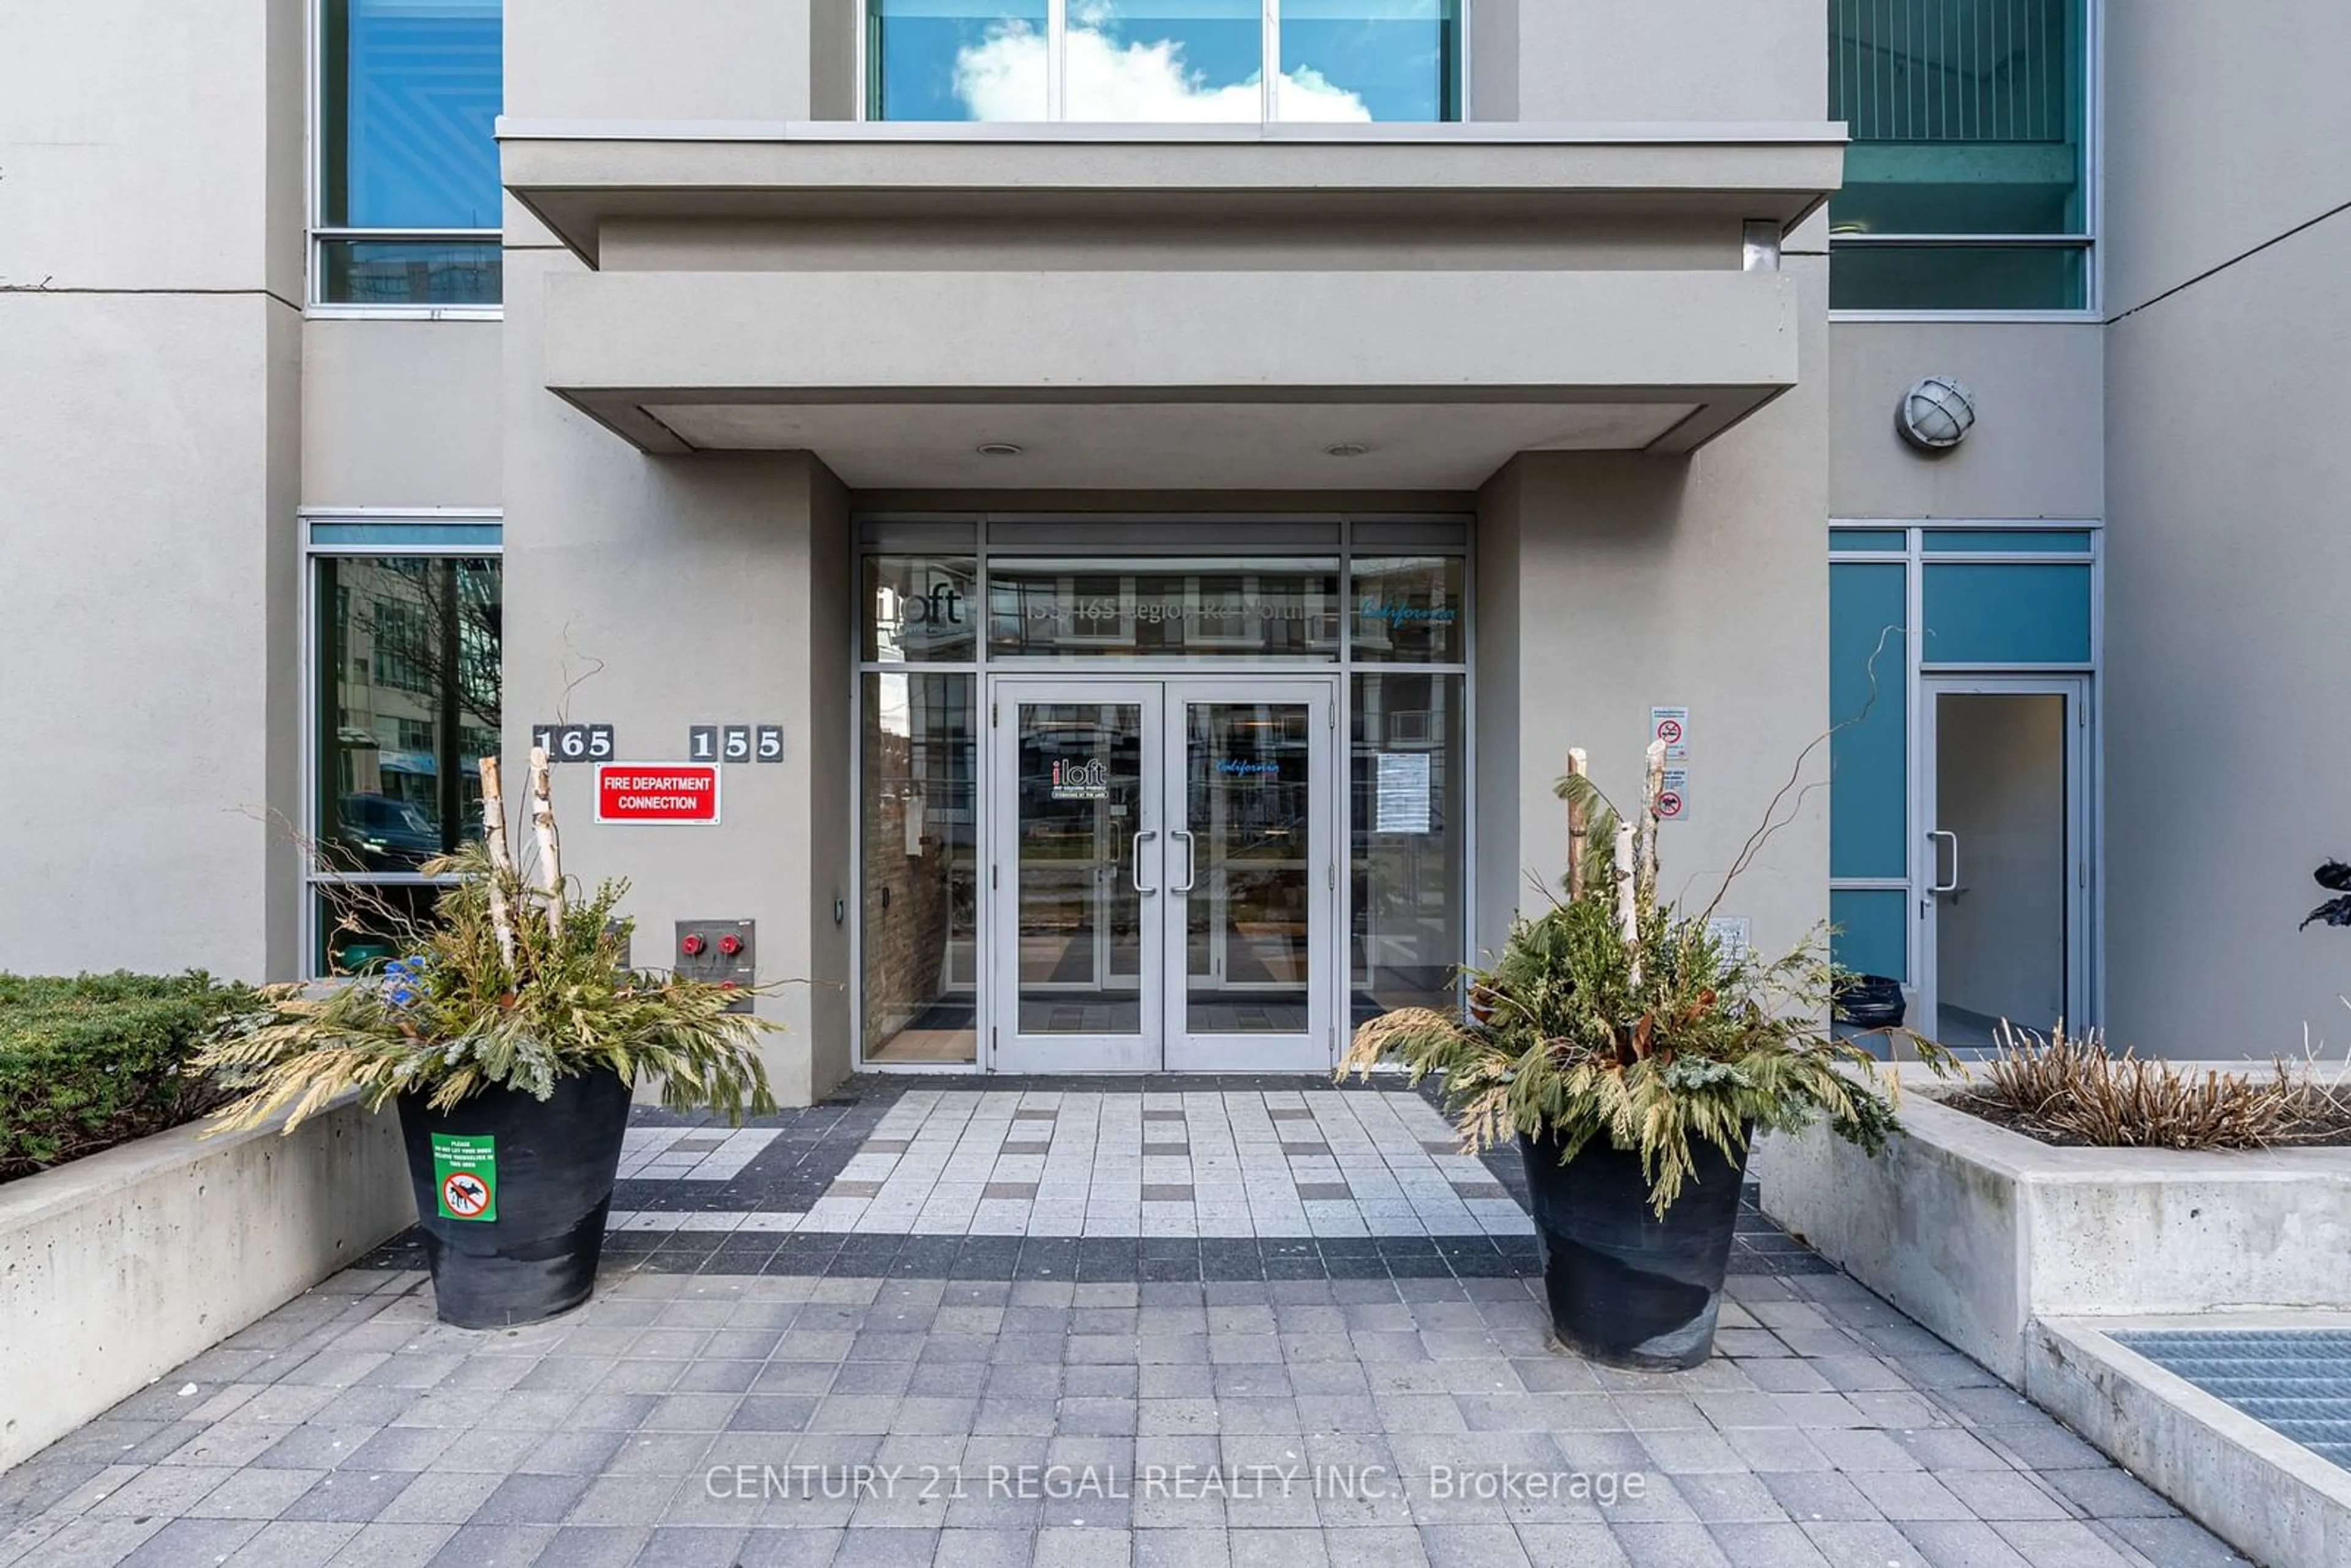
(2038,446)
(400,413)
(2228,758)
(648,59)
(150,378)
(1613,582)
(2224,128)
(657,593)
(2227,555)
(1652,59)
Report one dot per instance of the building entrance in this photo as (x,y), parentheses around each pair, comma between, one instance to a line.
(1195,798)
(1163,876)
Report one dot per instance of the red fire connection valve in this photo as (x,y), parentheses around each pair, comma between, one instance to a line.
(730,944)
(692,945)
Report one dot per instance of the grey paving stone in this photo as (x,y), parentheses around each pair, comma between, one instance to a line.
(1904,1495)
(1668,1545)
(353,1496)
(986,1549)
(2065,1544)
(1962,1543)
(811,1547)
(1171,1547)
(2110,1494)
(2004,1494)
(530,1499)
(167,1489)
(690,1546)
(295,1544)
(382,1545)
(2175,1542)
(1816,1496)
(624,1501)
(1579,1545)
(1081,1547)
(494,1546)
(440,1497)
(1729,1498)
(1277,1547)
(314,1448)
(1858,1542)
(1859,1450)
(2044,1446)
(146,1543)
(1769,1546)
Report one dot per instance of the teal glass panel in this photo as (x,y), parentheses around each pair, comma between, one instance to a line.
(411,90)
(957,60)
(2007,614)
(1868,756)
(411,272)
(1958,278)
(2010,541)
(1871,931)
(451,537)
(1369,59)
(1966,116)
(1893,540)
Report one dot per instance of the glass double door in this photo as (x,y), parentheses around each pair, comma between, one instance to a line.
(1163,875)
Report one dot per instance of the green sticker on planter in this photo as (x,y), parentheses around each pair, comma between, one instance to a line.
(466,1175)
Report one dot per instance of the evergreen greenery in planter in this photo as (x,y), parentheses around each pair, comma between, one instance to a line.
(510,1036)
(1633,1057)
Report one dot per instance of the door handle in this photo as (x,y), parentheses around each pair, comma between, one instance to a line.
(1953,885)
(1191,862)
(1135,873)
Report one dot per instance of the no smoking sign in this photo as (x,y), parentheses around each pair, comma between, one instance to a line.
(1671,725)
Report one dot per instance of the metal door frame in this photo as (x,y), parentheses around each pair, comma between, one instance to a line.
(1163,1043)
(1316,1048)
(2080,841)
(1005,1048)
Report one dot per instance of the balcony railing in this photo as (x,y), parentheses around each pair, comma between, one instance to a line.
(1953,70)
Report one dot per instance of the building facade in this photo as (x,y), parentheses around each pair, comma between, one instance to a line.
(1135,500)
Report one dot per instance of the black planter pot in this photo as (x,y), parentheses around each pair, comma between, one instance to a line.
(1625,1287)
(517,1238)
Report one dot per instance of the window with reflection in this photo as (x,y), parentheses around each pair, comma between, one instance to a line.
(921,903)
(921,609)
(1966,185)
(409,687)
(1165,61)
(409,207)
(1272,609)
(1407,611)
(1408,823)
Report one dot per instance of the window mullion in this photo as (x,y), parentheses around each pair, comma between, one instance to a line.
(1057,55)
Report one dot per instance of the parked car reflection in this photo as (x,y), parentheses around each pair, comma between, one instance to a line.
(376,833)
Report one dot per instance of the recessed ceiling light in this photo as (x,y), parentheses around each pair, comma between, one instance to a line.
(999,449)
(1346,449)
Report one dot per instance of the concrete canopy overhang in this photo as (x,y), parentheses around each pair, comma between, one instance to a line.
(1172,363)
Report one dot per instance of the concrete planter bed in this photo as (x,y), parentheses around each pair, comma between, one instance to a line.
(2031,1258)
(115,1268)
(1978,1231)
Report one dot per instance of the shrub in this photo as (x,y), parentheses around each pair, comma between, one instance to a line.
(1654,1044)
(99,1059)
(2074,1089)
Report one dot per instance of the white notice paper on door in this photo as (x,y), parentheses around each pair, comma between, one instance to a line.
(1403,805)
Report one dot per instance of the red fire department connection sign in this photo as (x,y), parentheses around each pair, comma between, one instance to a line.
(656,792)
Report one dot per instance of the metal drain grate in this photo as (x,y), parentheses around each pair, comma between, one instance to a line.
(2296,1381)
